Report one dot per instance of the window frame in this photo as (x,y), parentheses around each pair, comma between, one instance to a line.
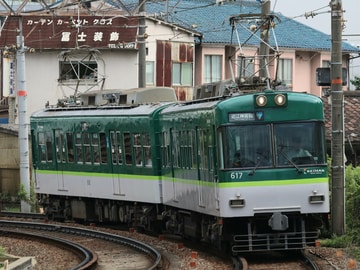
(182,73)
(285,64)
(76,70)
(211,72)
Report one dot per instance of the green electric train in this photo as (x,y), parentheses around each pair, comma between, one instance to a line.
(244,173)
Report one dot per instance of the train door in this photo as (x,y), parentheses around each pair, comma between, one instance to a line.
(44,152)
(202,163)
(174,160)
(117,161)
(206,168)
(60,159)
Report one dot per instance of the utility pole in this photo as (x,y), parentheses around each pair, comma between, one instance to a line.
(264,35)
(142,45)
(22,113)
(337,116)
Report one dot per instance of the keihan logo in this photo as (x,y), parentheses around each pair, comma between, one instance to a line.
(259,115)
(314,171)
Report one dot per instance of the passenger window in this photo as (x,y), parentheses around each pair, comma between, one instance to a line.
(127,144)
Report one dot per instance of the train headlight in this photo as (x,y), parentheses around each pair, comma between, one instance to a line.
(261,100)
(280,99)
(237,203)
(317,198)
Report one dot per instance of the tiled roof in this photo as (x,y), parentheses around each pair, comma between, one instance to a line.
(351,116)
(213,22)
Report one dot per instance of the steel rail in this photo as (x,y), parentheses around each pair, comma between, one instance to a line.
(89,259)
(137,245)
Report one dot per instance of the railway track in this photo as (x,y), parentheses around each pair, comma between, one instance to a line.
(277,261)
(87,258)
(271,260)
(56,233)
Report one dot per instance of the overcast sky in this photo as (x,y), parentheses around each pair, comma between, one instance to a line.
(297,8)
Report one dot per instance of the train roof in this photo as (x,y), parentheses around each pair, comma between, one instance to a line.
(79,111)
(209,103)
(131,96)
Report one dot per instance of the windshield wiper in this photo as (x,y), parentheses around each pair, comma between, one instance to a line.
(292,163)
(259,158)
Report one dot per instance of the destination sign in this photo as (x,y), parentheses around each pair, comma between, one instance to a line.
(246,116)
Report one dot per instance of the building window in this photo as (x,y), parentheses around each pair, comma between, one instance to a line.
(212,68)
(182,74)
(285,71)
(326,64)
(150,73)
(77,70)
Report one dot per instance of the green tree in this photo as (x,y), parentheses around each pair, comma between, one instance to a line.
(356,82)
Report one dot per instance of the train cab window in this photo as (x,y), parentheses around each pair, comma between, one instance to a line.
(247,146)
(103,148)
(299,144)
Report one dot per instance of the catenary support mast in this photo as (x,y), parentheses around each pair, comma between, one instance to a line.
(264,49)
(22,113)
(142,44)
(337,115)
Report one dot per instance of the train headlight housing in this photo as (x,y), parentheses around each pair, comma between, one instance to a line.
(316,198)
(261,100)
(271,100)
(280,100)
(235,203)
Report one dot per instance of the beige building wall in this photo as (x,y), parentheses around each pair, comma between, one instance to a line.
(9,164)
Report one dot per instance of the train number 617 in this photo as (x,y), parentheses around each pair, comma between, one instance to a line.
(236,175)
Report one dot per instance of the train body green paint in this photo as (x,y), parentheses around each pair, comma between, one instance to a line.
(223,169)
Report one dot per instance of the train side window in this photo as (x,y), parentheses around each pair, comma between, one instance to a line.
(193,149)
(116,153)
(127,146)
(137,149)
(147,149)
(42,146)
(49,152)
(78,147)
(103,148)
(119,148)
(203,142)
(86,146)
(182,149)
(164,142)
(185,148)
(175,148)
(60,146)
(70,147)
(95,148)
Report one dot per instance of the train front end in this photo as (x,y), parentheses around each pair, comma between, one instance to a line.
(273,185)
